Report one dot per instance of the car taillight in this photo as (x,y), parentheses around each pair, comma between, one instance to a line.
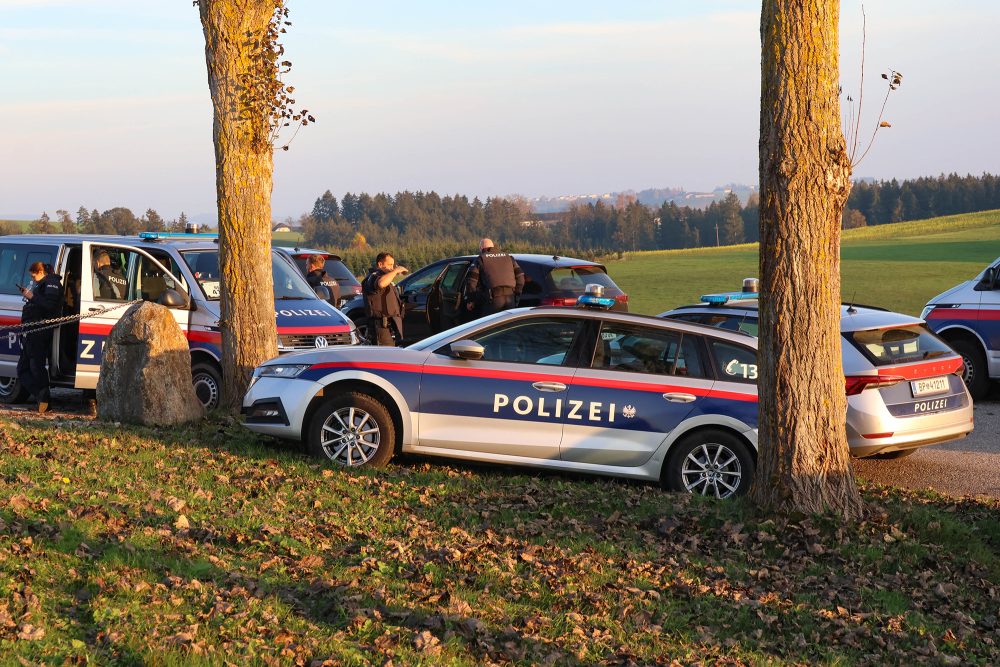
(855,384)
(559,301)
(622,298)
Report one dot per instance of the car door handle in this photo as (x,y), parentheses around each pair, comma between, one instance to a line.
(679,397)
(549,386)
(93,310)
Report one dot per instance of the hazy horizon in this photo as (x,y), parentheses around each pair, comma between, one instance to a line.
(107,102)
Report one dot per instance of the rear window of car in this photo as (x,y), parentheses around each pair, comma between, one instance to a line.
(898,345)
(576,278)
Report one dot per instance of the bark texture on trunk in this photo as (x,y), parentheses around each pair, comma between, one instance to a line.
(244,163)
(803,464)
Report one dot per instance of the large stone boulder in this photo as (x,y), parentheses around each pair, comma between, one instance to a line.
(146,370)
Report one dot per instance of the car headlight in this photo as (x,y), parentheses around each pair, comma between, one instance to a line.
(926,311)
(280,370)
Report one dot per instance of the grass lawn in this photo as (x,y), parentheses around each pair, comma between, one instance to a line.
(206,545)
(898,266)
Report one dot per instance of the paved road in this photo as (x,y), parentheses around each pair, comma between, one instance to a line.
(965,467)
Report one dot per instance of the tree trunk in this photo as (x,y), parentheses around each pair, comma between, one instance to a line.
(803,465)
(244,162)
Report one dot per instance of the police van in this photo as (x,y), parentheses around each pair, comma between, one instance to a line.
(180,271)
(968,317)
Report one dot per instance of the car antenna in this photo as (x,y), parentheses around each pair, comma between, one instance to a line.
(850,307)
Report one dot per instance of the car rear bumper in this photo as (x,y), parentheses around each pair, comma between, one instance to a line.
(891,434)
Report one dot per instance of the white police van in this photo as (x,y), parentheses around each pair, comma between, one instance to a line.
(180,271)
(968,317)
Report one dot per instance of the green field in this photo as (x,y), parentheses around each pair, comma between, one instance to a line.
(898,266)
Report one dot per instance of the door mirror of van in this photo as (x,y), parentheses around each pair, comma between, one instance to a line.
(989,281)
(323,292)
(171,298)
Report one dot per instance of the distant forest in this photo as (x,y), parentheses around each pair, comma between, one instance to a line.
(420,227)
(425,226)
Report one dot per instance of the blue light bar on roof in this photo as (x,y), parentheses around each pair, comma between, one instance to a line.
(156,236)
(726,297)
(591,301)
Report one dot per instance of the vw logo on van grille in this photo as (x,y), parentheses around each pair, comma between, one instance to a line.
(321,341)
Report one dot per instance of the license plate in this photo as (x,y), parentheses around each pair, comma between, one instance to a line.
(929,386)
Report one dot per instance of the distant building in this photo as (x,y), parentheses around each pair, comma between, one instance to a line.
(281,228)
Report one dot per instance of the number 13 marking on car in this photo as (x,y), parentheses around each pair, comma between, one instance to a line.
(748,371)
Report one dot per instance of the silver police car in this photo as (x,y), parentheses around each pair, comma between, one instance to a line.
(574,389)
(903,383)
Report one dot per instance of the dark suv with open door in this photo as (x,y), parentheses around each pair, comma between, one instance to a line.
(434,296)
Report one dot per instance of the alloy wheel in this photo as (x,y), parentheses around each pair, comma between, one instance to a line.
(350,436)
(712,469)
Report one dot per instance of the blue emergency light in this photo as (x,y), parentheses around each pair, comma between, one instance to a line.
(162,236)
(726,297)
(593,297)
(751,290)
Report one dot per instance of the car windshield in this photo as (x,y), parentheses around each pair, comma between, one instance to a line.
(898,345)
(334,268)
(288,283)
(430,343)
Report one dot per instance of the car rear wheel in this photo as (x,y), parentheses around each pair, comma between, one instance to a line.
(710,463)
(976,377)
(11,391)
(352,430)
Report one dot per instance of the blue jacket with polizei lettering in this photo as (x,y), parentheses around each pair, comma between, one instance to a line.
(46,300)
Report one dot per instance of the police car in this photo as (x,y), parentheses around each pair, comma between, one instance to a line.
(180,271)
(575,389)
(968,317)
(904,384)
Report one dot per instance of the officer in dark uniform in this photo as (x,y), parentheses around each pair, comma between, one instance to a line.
(109,283)
(494,282)
(43,301)
(382,302)
(317,276)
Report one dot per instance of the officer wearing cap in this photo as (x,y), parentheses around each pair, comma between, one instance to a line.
(318,276)
(495,280)
(382,302)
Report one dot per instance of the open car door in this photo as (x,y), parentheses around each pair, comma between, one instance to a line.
(114,274)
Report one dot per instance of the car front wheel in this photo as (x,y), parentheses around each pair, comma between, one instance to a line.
(352,430)
(11,391)
(207,384)
(712,463)
(976,377)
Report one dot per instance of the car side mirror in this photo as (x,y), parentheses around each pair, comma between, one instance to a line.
(989,280)
(467,349)
(323,292)
(171,298)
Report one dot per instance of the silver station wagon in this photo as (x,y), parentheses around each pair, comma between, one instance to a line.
(904,384)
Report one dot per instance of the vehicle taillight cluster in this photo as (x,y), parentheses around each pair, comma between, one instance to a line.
(855,384)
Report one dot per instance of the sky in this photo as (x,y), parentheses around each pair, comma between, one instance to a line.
(106,101)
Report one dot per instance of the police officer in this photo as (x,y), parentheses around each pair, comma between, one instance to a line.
(495,280)
(318,276)
(382,302)
(109,283)
(43,300)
